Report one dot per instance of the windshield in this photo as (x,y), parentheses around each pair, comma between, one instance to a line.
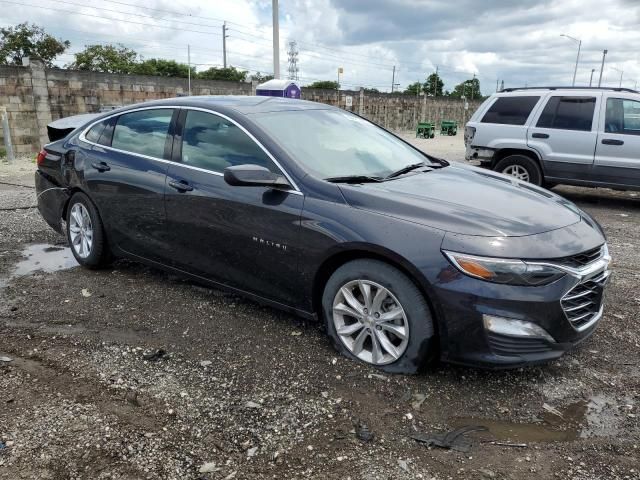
(331,143)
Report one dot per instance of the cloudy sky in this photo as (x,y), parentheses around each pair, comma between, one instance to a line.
(512,40)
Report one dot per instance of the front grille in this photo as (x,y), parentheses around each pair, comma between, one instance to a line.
(513,346)
(581,259)
(582,303)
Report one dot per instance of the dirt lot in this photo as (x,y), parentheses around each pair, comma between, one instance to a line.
(238,390)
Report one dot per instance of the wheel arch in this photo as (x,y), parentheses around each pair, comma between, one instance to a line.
(506,152)
(72,191)
(337,258)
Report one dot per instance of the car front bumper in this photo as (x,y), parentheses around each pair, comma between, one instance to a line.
(465,303)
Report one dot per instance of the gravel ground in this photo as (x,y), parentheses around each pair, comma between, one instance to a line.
(133,373)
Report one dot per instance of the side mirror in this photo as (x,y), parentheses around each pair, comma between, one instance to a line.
(254,176)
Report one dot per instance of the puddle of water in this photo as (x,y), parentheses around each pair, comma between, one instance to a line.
(503,430)
(41,257)
(597,417)
(45,258)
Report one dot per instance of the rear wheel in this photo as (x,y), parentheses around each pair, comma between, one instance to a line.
(375,314)
(85,232)
(521,167)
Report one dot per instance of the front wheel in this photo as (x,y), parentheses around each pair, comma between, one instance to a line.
(375,314)
(521,167)
(85,232)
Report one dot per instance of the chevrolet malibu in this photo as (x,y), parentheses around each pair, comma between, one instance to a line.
(406,258)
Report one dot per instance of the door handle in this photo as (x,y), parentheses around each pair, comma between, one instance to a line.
(611,141)
(101,167)
(539,135)
(181,186)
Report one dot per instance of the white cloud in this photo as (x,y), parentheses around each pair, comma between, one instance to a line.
(495,39)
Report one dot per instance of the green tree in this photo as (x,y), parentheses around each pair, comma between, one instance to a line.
(434,85)
(106,58)
(469,89)
(325,84)
(371,90)
(414,89)
(26,40)
(229,73)
(163,68)
(260,78)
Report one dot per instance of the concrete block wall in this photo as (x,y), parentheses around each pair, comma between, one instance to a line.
(35,96)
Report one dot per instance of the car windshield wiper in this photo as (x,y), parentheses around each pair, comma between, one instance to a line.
(354,179)
(406,169)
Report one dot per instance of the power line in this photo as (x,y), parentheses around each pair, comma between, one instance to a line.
(120,12)
(171,12)
(107,18)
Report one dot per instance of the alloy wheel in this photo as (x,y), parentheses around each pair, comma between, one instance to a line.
(80,230)
(370,322)
(517,171)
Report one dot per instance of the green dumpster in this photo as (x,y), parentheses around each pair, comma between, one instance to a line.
(425,130)
(448,127)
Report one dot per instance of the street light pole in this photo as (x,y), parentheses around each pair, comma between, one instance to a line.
(575,70)
(591,78)
(604,54)
(621,73)
(276,40)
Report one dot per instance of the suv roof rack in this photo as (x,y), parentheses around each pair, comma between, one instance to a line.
(615,89)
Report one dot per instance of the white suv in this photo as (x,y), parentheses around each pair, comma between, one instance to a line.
(551,135)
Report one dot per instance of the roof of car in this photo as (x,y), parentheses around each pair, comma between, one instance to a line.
(519,89)
(241,103)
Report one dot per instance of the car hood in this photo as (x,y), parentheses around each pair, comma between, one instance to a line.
(466,200)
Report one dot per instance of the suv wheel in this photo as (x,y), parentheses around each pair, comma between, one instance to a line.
(522,167)
(85,233)
(375,314)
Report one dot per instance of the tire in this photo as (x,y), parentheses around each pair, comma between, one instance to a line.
(522,167)
(408,355)
(85,233)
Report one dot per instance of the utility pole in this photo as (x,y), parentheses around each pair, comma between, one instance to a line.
(591,78)
(435,84)
(497,80)
(502,85)
(393,79)
(473,85)
(604,54)
(276,40)
(340,70)
(224,44)
(189,65)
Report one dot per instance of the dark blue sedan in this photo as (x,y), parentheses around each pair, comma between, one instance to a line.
(405,257)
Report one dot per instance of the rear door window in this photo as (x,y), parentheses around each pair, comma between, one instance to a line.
(511,110)
(568,113)
(93,135)
(623,116)
(144,132)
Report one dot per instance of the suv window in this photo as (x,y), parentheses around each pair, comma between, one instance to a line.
(213,143)
(623,116)
(143,132)
(510,110)
(568,113)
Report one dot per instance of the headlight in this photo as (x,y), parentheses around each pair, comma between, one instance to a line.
(501,270)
